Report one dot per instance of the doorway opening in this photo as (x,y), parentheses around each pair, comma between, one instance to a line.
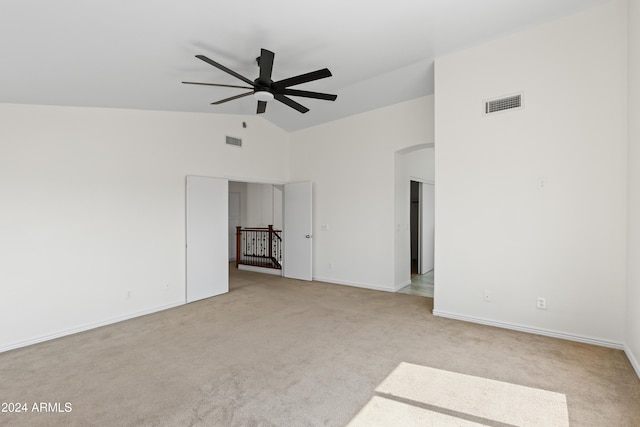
(216,206)
(272,222)
(255,217)
(414,217)
(414,213)
(421,230)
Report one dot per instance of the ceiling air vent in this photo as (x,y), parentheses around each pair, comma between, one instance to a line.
(502,104)
(234,141)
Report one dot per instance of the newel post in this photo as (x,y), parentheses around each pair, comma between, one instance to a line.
(238,240)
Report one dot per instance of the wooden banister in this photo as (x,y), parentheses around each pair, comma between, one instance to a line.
(238,240)
(258,246)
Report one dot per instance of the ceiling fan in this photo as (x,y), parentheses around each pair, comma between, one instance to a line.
(264,89)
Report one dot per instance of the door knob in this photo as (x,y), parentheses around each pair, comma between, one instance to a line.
(308,236)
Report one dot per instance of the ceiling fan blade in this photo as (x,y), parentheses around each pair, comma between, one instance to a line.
(216,84)
(302,78)
(266,65)
(232,98)
(262,107)
(225,69)
(291,103)
(307,94)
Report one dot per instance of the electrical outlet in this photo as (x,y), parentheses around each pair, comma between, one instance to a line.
(542,183)
(487,296)
(541,303)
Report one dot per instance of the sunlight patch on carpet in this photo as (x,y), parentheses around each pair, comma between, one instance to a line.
(386,412)
(414,395)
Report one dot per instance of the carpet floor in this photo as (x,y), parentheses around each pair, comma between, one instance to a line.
(278,352)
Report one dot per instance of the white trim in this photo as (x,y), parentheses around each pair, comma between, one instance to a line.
(254,180)
(415,147)
(402,285)
(632,359)
(530,330)
(273,271)
(421,180)
(89,326)
(354,284)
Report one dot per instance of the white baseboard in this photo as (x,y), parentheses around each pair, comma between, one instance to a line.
(632,359)
(273,271)
(402,285)
(89,326)
(354,284)
(528,329)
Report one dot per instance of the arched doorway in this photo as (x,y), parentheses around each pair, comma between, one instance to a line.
(414,218)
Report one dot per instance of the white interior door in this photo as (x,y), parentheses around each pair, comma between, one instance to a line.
(297,231)
(207,237)
(427,227)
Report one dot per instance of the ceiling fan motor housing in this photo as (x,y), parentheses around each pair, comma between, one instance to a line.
(263,95)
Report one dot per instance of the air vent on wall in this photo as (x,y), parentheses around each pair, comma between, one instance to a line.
(502,104)
(234,141)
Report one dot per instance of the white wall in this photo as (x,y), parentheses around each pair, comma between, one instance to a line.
(257,212)
(421,163)
(264,203)
(633,260)
(261,203)
(240,187)
(352,165)
(93,204)
(410,164)
(278,207)
(495,230)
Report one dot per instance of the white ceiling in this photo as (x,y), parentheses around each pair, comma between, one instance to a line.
(134,53)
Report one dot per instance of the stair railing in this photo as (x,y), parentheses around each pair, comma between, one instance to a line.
(259,247)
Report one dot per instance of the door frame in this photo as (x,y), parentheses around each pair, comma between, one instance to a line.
(421,182)
(224,242)
(232,231)
(424,270)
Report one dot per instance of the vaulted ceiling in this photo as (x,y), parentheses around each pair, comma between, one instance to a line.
(135,53)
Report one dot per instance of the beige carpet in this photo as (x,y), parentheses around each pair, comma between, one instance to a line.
(275,352)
